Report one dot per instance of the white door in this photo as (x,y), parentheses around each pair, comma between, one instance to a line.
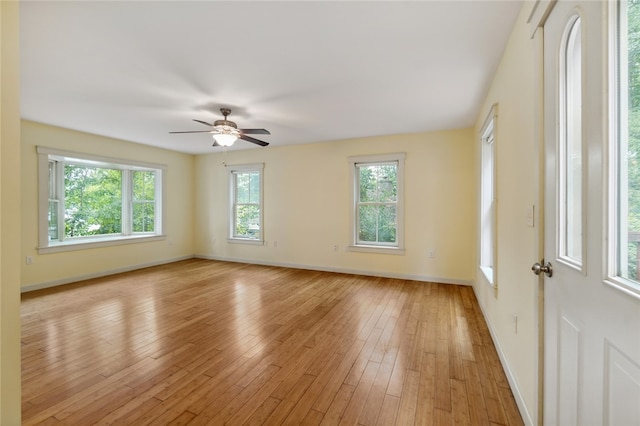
(592,301)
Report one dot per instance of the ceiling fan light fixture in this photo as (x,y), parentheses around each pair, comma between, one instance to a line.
(225,139)
(226,132)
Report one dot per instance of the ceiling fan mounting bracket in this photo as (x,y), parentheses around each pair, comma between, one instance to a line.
(225,122)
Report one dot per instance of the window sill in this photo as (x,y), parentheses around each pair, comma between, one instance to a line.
(488,274)
(248,241)
(628,287)
(90,243)
(376,249)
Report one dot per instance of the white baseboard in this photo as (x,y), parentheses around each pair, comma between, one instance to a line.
(424,278)
(69,280)
(517,394)
(77,278)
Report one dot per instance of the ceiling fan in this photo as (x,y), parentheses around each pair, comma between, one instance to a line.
(226,132)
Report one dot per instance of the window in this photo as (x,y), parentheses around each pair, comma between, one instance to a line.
(487,197)
(624,178)
(96,200)
(570,188)
(245,194)
(377,208)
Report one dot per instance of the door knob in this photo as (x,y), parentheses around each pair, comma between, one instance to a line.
(537,268)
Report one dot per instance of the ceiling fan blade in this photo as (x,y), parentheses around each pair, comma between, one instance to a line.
(194,131)
(255,131)
(203,122)
(253,140)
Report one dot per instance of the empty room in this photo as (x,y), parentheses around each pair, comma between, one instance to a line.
(319,212)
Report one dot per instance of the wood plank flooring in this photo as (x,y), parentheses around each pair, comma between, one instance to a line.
(203,342)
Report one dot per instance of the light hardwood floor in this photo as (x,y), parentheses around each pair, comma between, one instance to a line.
(205,342)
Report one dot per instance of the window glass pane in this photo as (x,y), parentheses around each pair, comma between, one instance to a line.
(143,217)
(629,153)
(571,145)
(243,187)
(144,185)
(247,187)
(378,183)
(387,224)
(93,201)
(377,223)
(144,193)
(368,183)
(52,180)
(387,182)
(53,219)
(254,187)
(247,221)
(368,221)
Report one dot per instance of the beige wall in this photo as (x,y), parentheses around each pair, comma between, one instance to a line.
(69,266)
(307,197)
(514,90)
(10,397)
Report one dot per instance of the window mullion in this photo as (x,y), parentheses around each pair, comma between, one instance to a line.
(60,194)
(127,202)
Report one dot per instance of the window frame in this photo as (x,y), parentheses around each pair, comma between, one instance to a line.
(488,198)
(126,236)
(232,171)
(384,248)
(618,144)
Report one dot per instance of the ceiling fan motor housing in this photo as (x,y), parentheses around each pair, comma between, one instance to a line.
(225,123)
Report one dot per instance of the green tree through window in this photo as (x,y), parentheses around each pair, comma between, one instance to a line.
(93,201)
(144,204)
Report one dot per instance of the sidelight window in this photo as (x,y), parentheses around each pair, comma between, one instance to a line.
(624,177)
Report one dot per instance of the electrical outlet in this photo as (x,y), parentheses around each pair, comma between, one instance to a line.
(28,260)
(431,253)
(335,247)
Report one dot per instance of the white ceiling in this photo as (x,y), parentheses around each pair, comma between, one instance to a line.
(306,71)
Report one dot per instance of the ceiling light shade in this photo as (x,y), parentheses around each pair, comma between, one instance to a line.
(225,139)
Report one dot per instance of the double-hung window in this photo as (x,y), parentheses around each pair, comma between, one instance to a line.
(377,205)
(487,197)
(245,203)
(90,200)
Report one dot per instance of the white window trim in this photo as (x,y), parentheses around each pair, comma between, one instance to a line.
(488,141)
(45,246)
(259,167)
(398,248)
